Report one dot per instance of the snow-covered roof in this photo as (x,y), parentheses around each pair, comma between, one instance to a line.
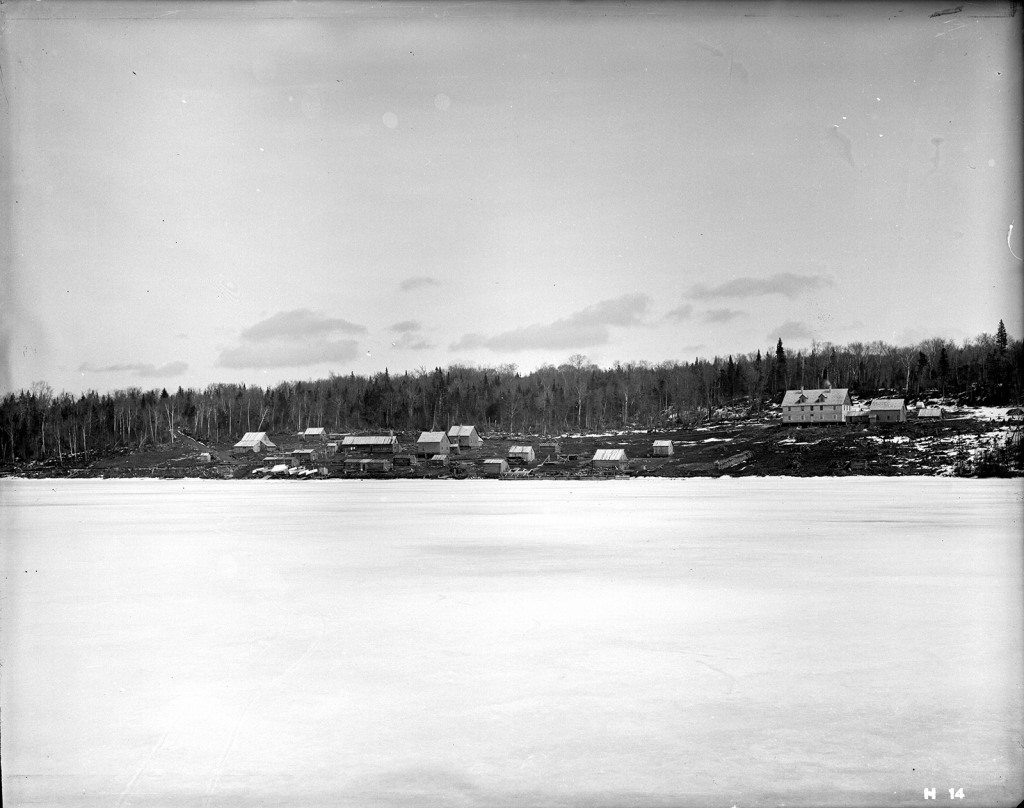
(887,404)
(251,439)
(835,395)
(431,437)
(369,440)
(610,454)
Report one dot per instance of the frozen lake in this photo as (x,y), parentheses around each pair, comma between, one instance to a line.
(661,642)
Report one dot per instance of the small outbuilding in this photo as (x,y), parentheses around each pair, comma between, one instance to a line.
(377,465)
(304,457)
(662,448)
(465,437)
(521,454)
(315,433)
(433,443)
(610,459)
(405,460)
(888,411)
(495,467)
(253,443)
(858,416)
(550,447)
(932,413)
(438,459)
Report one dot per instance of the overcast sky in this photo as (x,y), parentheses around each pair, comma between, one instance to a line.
(267,192)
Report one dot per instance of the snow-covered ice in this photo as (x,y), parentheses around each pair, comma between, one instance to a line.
(750,641)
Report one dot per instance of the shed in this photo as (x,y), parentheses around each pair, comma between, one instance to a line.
(315,433)
(433,443)
(465,437)
(354,465)
(370,444)
(304,456)
(610,459)
(405,460)
(205,457)
(438,459)
(858,416)
(521,454)
(888,411)
(662,448)
(550,447)
(254,442)
(495,467)
(377,465)
(935,413)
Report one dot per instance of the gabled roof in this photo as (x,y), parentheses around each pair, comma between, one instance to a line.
(520,449)
(495,460)
(887,404)
(431,437)
(610,454)
(315,430)
(461,431)
(662,443)
(369,440)
(837,395)
(250,439)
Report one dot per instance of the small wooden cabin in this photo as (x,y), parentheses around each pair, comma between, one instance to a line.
(253,443)
(433,443)
(495,467)
(662,448)
(465,437)
(888,411)
(521,454)
(610,459)
(317,433)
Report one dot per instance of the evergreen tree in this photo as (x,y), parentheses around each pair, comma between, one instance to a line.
(780,364)
(1001,338)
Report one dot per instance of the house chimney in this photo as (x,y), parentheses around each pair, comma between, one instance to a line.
(828,384)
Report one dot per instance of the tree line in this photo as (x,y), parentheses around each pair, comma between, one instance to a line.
(37,424)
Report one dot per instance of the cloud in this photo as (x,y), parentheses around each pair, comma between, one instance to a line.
(296,324)
(581,329)
(288,354)
(722,315)
(138,368)
(293,339)
(418,282)
(406,326)
(411,342)
(791,330)
(680,313)
(787,284)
